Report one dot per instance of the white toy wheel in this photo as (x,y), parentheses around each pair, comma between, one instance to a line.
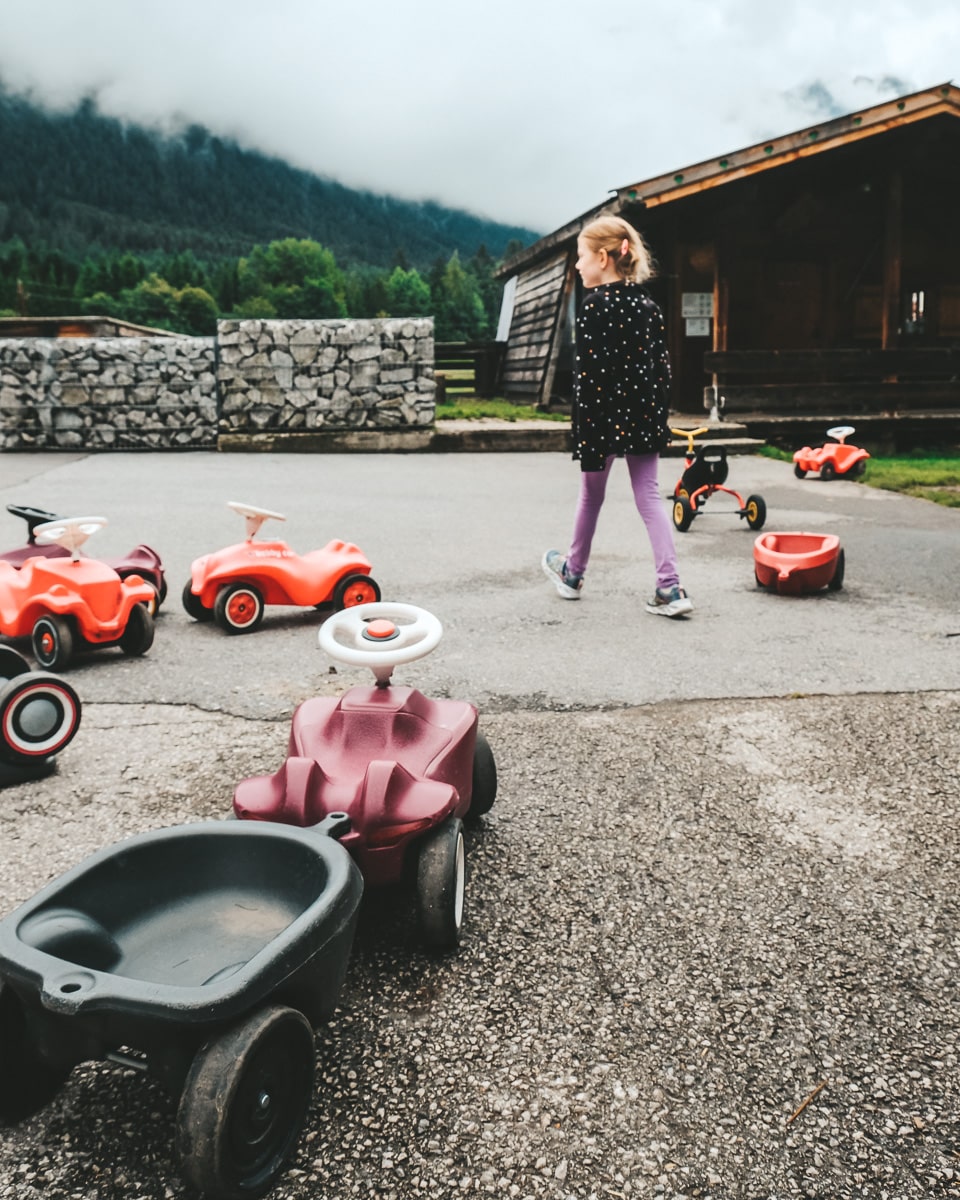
(68,532)
(254,516)
(380,636)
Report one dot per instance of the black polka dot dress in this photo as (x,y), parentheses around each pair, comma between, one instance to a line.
(621,377)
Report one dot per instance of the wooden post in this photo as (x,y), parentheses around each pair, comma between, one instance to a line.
(892,262)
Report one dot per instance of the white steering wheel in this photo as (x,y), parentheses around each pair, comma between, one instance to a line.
(255,517)
(68,532)
(840,432)
(380,636)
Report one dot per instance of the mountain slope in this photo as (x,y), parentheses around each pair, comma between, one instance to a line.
(82,181)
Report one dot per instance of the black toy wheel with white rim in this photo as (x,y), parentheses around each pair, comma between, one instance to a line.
(380,636)
(52,641)
(441,880)
(39,715)
(238,608)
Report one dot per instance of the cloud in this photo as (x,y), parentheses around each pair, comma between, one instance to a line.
(526,111)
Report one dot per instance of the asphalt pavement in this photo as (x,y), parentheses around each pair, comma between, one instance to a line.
(712,940)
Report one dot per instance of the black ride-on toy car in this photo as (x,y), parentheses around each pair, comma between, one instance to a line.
(203,954)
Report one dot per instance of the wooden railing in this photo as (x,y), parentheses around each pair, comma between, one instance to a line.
(849,380)
(468,369)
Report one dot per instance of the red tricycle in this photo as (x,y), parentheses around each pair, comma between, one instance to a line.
(141,560)
(234,584)
(834,458)
(406,770)
(705,471)
(64,604)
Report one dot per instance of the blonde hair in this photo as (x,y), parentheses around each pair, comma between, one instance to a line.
(633,262)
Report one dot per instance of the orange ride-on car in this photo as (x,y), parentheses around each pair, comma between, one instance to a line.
(705,470)
(67,604)
(234,584)
(835,458)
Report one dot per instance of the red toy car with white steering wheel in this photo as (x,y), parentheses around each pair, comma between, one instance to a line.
(67,604)
(405,770)
(232,586)
(835,458)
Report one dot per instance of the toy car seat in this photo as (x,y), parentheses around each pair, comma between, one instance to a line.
(708,469)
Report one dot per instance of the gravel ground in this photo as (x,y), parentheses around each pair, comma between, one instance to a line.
(711,950)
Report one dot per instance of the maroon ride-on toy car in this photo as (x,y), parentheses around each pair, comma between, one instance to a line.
(836,458)
(39,715)
(141,560)
(234,584)
(404,769)
(67,604)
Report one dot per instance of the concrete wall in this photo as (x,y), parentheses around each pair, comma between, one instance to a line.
(283,377)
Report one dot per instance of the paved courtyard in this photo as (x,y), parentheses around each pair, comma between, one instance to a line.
(713,936)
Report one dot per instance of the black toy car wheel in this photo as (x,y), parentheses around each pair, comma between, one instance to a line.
(355,589)
(26,1081)
(193,606)
(799,471)
(12,663)
(828,470)
(52,640)
(484,787)
(836,583)
(683,513)
(858,468)
(137,638)
(39,714)
(441,876)
(238,608)
(755,510)
(244,1104)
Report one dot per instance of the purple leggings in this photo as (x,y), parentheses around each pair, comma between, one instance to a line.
(646,494)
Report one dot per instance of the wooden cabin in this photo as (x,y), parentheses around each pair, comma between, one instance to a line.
(815,272)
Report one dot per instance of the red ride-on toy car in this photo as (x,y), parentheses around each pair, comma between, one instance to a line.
(234,584)
(141,560)
(836,457)
(405,770)
(705,470)
(39,714)
(64,604)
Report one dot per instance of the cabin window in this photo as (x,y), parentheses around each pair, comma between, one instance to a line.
(915,318)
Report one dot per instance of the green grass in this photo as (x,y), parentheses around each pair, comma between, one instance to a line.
(472,409)
(927,475)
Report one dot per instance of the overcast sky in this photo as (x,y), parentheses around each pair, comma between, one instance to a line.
(525,111)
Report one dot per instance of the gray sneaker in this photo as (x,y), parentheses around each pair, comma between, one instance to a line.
(555,568)
(670,602)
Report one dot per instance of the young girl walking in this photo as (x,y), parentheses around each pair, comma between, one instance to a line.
(621,385)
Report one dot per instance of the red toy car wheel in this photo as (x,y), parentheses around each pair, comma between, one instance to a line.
(52,640)
(799,471)
(355,589)
(828,470)
(194,606)
(483,790)
(441,875)
(238,608)
(138,636)
(39,714)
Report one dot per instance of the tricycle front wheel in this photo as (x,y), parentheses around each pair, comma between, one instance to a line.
(244,1104)
(441,876)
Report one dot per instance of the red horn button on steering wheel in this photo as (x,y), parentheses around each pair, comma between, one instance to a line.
(380,630)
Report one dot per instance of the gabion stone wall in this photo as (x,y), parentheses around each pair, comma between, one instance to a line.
(290,376)
(116,393)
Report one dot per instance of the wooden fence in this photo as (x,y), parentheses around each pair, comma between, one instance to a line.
(468,369)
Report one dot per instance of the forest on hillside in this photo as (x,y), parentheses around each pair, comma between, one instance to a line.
(101,217)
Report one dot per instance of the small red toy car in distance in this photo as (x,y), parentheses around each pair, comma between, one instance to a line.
(834,458)
(234,584)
